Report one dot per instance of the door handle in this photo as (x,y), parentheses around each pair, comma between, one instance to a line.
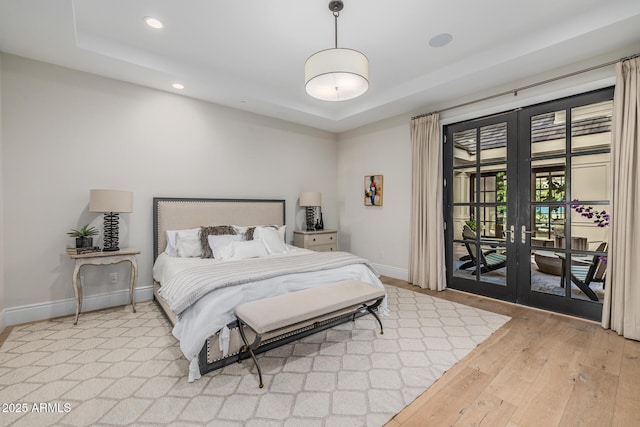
(512,233)
(523,233)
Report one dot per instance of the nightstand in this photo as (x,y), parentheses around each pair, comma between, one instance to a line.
(320,240)
(104,258)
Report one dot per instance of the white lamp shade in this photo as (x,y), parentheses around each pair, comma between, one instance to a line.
(110,201)
(336,74)
(310,198)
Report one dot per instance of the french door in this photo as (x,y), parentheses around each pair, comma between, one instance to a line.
(527,196)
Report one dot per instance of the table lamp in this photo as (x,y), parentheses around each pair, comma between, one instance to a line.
(310,200)
(111,203)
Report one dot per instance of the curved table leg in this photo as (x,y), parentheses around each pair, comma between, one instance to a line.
(77,288)
(102,259)
(132,282)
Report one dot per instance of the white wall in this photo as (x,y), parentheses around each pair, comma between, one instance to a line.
(66,132)
(378,233)
(2,292)
(382,234)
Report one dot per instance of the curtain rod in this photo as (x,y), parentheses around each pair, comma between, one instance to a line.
(515,91)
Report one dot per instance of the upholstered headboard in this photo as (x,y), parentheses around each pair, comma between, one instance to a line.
(183,213)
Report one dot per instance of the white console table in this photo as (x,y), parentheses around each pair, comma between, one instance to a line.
(104,258)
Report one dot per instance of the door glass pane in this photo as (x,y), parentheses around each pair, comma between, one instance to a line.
(465,147)
(591,126)
(589,226)
(548,133)
(548,192)
(462,187)
(590,177)
(463,265)
(492,189)
(488,221)
(501,221)
(465,249)
(462,214)
(493,250)
(488,188)
(546,272)
(494,259)
(548,223)
(548,180)
(587,273)
(493,143)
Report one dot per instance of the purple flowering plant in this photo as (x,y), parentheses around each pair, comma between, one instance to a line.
(600,218)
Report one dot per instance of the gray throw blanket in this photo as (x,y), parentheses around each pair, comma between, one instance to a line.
(189,285)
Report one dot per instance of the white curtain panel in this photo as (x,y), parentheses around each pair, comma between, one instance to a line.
(621,311)
(427,261)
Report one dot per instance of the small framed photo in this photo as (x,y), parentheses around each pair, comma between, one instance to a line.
(373,190)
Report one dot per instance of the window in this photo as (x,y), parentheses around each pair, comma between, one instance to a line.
(492,189)
(549,186)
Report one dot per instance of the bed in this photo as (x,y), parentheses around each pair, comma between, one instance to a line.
(199,296)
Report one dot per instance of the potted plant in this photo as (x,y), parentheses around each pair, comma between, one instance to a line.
(83,236)
(471,224)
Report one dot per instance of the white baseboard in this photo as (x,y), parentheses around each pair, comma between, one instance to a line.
(2,324)
(51,309)
(395,272)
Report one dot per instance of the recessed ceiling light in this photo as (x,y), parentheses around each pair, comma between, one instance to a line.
(178,86)
(153,22)
(440,40)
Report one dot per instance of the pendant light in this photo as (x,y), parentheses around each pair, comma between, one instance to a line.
(336,74)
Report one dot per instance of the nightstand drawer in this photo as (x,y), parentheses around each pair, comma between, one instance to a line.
(324,248)
(321,239)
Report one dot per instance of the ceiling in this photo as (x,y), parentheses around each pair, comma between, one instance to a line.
(250,54)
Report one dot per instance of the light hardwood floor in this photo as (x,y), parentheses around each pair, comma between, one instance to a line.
(539,369)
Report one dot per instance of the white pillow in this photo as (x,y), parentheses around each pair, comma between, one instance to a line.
(220,245)
(272,238)
(282,229)
(242,229)
(171,240)
(188,243)
(246,249)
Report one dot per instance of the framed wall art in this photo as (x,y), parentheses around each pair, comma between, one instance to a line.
(373,190)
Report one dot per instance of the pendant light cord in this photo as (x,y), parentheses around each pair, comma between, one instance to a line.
(335,16)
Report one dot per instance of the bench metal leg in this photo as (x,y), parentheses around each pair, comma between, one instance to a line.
(253,356)
(370,310)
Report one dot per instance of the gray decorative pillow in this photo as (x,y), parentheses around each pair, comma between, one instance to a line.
(217,230)
(248,235)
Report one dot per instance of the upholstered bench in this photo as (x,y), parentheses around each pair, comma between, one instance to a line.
(281,314)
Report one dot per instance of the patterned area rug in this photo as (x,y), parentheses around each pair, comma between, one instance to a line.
(122,368)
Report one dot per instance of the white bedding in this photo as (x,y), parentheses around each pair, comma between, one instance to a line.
(216,309)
